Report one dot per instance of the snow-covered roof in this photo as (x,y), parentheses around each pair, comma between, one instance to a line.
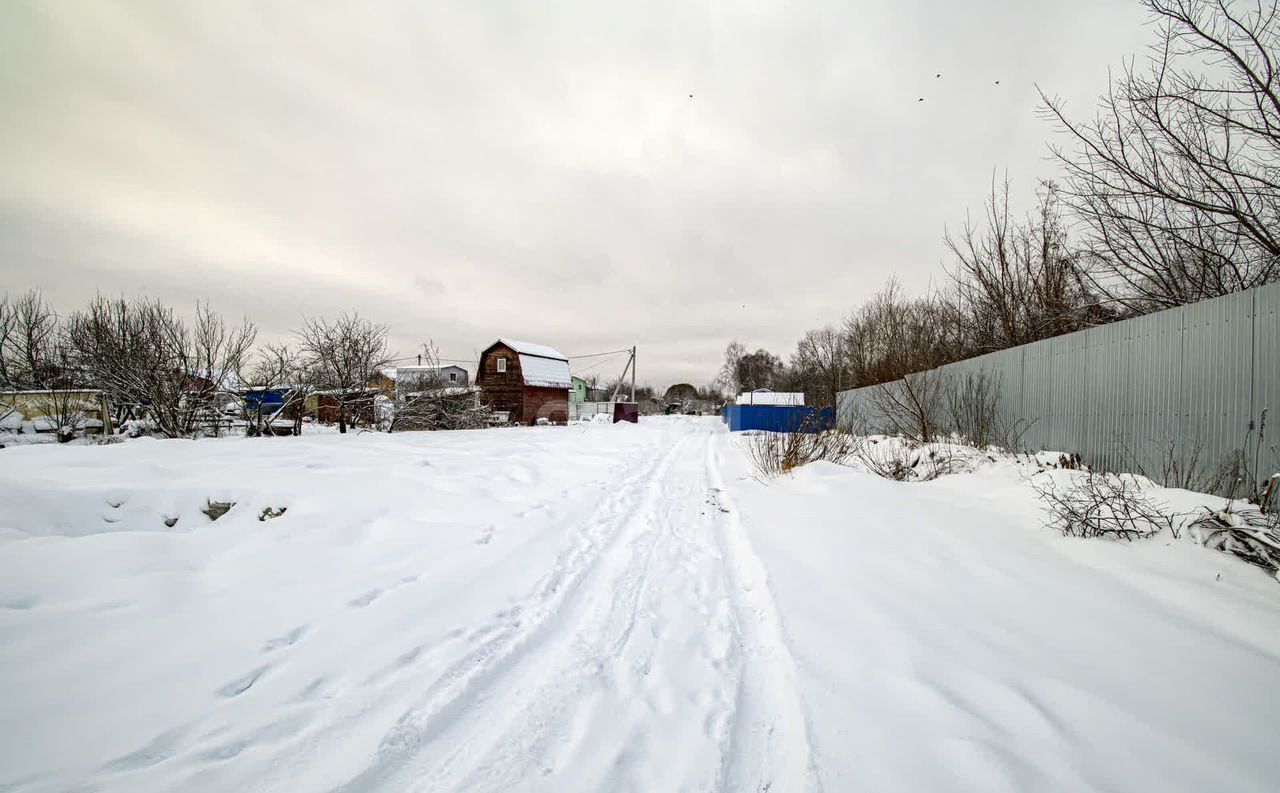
(277,387)
(528,348)
(764,396)
(545,372)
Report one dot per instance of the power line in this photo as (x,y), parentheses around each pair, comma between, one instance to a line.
(600,363)
(448,360)
(598,354)
(473,360)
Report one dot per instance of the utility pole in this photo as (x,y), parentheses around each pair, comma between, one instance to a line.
(633,374)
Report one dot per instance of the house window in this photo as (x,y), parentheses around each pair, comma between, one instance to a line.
(502,364)
(453,377)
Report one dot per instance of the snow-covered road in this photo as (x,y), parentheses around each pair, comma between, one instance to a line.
(599,608)
(646,657)
(527,609)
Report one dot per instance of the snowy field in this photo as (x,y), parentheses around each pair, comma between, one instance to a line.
(601,608)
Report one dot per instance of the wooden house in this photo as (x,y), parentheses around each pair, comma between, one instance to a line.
(527,382)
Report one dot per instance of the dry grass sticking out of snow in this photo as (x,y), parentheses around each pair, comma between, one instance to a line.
(1075,501)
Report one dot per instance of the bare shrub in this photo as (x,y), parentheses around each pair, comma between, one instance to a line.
(424,400)
(1104,505)
(905,461)
(973,407)
(64,410)
(1248,534)
(776,453)
(1071,462)
(1270,503)
(438,408)
(1255,479)
(1189,470)
(913,406)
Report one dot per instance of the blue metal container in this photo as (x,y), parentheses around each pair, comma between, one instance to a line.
(777,418)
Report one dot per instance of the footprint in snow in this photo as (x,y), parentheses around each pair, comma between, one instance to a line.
(162,747)
(240,685)
(21,603)
(410,656)
(361,601)
(287,639)
(312,690)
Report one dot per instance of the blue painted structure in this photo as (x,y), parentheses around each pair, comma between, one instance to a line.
(270,399)
(777,418)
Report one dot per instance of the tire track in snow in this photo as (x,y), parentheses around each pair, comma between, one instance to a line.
(467,685)
(651,658)
(589,721)
(767,748)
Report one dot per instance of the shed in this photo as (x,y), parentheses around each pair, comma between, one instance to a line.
(765,396)
(526,381)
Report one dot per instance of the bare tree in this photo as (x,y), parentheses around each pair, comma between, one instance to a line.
(1178,177)
(344,355)
(1018,282)
(278,372)
(820,367)
(150,361)
(759,369)
(28,342)
(728,376)
(891,336)
(712,392)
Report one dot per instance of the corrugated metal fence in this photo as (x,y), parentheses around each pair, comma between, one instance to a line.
(1184,382)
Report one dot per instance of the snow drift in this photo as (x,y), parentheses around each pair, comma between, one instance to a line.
(599,607)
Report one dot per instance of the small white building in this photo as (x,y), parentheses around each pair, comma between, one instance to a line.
(763,396)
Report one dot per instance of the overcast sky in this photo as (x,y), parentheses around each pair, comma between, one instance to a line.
(538,170)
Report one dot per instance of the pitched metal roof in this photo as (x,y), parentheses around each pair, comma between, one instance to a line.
(528,348)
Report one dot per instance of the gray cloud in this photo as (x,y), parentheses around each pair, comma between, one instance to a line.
(471,170)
